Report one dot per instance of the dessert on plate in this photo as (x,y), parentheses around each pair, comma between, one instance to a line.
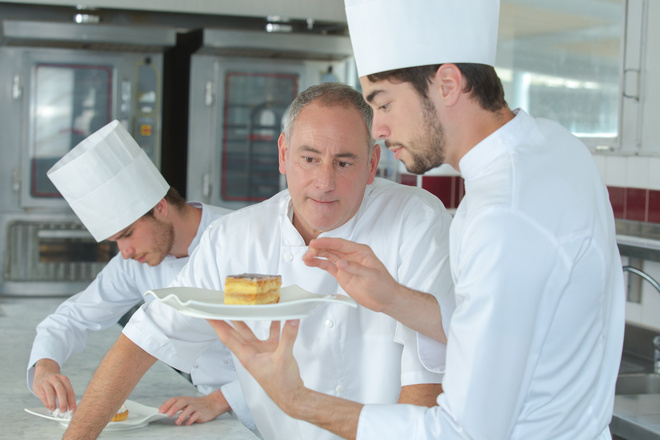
(122,414)
(252,288)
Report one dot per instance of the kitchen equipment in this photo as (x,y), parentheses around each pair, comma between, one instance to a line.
(241,83)
(62,82)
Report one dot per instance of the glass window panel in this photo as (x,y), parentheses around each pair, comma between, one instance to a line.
(254,106)
(561,60)
(70,103)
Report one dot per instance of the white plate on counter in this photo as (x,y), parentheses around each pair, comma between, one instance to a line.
(294,303)
(138,416)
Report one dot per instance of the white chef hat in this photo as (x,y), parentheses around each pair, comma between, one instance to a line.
(394,34)
(108,180)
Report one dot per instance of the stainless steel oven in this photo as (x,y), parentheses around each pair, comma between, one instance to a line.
(62,82)
(241,83)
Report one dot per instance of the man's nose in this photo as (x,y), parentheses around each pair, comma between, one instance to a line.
(325,177)
(126,250)
(380,130)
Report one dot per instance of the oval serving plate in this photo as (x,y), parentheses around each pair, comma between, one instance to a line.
(209,304)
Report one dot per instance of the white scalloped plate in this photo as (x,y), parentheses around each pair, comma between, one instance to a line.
(209,304)
(138,416)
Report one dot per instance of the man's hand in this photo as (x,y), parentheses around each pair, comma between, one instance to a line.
(357,270)
(195,409)
(270,362)
(366,279)
(51,386)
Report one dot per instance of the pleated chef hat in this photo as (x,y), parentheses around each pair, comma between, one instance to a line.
(394,34)
(108,180)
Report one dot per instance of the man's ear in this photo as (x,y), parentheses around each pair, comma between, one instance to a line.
(373,163)
(448,82)
(281,153)
(162,207)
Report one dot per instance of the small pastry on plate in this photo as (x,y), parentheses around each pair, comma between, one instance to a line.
(252,288)
(121,415)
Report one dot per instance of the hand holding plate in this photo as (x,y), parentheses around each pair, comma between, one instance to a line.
(270,362)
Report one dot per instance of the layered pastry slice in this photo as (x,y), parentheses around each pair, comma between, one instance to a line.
(121,415)
(252,288)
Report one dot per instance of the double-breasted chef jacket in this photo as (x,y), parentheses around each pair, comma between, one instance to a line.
(349,352)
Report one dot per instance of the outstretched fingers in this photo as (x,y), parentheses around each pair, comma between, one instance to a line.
(289,335)
(231,337)
(244,331)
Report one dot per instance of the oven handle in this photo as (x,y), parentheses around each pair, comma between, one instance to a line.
(61,233)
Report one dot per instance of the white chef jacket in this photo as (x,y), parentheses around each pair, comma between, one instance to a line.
(116,289)
(349,352)
(536,337)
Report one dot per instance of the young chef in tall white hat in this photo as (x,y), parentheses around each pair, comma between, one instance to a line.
(535,341)
(120,196)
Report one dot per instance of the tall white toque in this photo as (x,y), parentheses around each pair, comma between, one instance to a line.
(394,34)
(108,180)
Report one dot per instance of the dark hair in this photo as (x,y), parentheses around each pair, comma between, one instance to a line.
(481,81)
(173,198)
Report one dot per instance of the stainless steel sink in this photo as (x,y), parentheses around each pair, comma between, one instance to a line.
(639,383)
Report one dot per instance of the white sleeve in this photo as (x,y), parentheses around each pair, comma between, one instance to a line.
(503,268)
(165,333)
(425,267)
(66,330)
(233,393)
(169,336)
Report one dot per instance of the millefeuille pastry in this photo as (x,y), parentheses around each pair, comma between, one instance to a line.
(251,288)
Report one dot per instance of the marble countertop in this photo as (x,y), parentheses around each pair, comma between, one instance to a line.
(18,320)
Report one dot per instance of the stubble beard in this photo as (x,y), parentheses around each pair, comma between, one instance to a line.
(163,241)
(429,146)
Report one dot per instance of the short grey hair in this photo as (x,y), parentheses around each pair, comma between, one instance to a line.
(328,94)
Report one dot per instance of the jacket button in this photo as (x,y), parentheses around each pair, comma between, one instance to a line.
(340,389)
(329,323)
(288,257)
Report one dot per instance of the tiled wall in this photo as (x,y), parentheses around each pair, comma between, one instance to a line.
(634,186)
(449,189)
(633,183)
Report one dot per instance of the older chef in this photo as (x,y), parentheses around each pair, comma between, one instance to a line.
(119,195)
(535,341)
(329,160)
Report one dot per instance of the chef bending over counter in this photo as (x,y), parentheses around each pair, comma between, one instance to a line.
(120,196)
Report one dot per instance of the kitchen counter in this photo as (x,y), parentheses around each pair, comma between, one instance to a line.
(636,417)
(18,320)
(638,239)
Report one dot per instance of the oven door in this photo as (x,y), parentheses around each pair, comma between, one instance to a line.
(236,112)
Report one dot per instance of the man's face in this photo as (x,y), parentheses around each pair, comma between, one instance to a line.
(328,166)
(147,240)
(408,123)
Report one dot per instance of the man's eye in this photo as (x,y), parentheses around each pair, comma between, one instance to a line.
(308,159)
(343,164)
